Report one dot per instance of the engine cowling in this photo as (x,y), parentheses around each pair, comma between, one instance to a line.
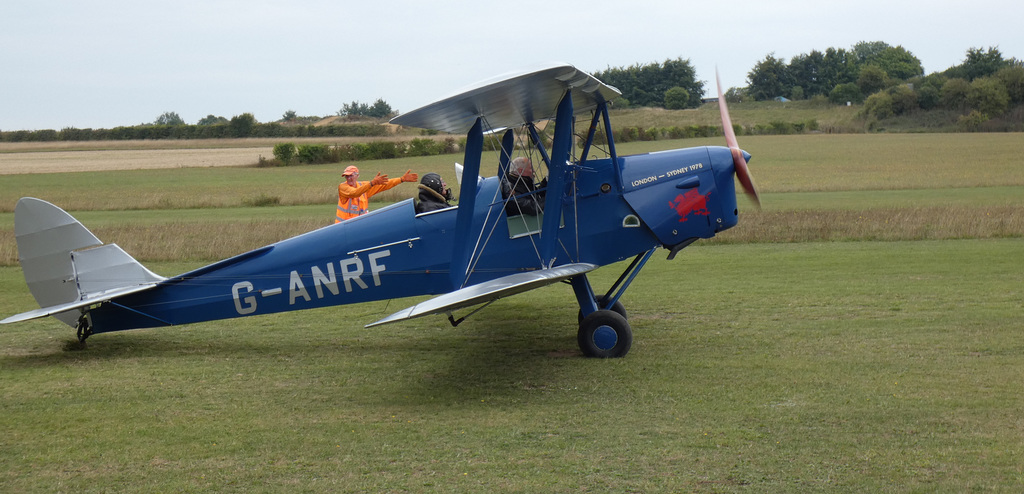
(683,194)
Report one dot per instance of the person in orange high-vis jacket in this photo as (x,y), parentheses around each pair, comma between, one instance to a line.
(354,196)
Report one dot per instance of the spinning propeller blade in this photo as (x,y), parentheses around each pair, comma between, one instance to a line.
(739,162)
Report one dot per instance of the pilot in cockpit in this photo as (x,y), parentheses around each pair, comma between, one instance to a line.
(434,194)
(518,182)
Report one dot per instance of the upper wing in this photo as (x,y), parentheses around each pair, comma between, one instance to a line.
(511,100)
(488,291)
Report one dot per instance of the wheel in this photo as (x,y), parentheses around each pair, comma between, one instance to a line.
(617,307)
(84,328)
(605,334)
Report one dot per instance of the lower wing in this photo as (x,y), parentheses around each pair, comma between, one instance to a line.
(488,291)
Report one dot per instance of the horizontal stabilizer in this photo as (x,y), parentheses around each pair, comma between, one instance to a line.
(488,291)
(108,267)
(97,298)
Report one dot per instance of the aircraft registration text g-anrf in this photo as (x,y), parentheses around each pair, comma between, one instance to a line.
(323,281)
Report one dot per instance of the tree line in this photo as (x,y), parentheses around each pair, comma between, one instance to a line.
(170,126)
(671,84)
(887,80)
(890,81)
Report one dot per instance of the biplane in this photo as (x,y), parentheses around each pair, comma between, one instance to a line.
(599,208)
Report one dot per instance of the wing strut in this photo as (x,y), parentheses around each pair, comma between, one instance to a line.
(560,147)
(467,204)
(537,141)
(601,112)
(591,132)
(611,142)
(508,141)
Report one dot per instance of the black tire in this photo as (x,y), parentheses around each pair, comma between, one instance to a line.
(617,307)
(605,334)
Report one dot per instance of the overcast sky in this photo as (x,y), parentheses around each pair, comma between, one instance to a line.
(102,64)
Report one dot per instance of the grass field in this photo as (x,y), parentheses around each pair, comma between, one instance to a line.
(861,333)
(816,187)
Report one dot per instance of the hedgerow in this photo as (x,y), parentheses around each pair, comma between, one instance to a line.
(216,131)
(630,134)
(315,154)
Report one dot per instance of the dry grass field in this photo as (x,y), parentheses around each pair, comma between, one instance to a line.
(127,159)
(816,188)
(82,156)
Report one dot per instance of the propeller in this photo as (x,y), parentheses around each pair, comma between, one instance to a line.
(739,162)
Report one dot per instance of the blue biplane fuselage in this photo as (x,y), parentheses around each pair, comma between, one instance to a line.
(667,198)
(597,211)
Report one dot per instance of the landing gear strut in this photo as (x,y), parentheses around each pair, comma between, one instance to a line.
(604,331)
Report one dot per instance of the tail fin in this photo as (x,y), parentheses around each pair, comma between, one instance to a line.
(66,267)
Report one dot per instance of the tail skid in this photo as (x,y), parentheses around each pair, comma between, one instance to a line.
(67,268)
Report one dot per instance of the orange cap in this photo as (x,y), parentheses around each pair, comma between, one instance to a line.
(350,171)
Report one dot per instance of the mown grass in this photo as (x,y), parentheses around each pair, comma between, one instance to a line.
(868,366)
(808,163)
(860,333)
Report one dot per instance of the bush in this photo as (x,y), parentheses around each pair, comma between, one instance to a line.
(626,134)
(242,125)
(904,99)
(265,163)
(878,105)
(428,147)
(844,93)
(450,146)
(777,127)
(344,152)
(988,95)
(677,98)
(872,79)
(972,121)
(1013,79)
(928,97)
(691,131)
(381,150)
(314,154)
(284,152)
(954,94)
